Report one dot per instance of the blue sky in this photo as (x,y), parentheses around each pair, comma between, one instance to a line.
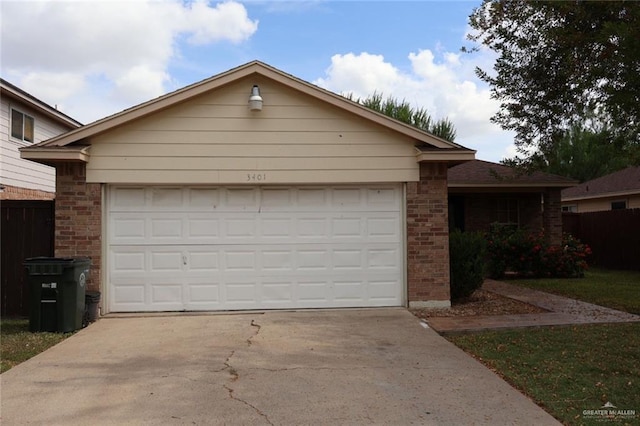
(92,59)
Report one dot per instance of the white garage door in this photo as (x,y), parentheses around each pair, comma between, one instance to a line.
(176,248)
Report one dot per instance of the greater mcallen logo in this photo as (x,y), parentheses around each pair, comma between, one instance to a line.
(609,412)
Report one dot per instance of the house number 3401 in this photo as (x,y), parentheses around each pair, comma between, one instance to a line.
(256,177)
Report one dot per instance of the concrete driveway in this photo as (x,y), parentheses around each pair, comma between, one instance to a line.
(337,367)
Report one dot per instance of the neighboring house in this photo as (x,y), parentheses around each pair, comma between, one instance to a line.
(619,190)
(482,193)
(27,121)
(202,200)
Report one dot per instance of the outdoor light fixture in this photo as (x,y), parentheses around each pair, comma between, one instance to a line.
(255,100)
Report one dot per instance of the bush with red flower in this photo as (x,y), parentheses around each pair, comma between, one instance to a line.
(530,254)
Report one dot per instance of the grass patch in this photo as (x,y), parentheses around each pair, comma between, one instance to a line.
(18,344)
(614,289)
(566,370)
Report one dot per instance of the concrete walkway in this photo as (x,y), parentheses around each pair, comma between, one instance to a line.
(561,311)
(330,367)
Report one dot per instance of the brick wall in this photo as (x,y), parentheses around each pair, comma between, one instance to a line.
(428,238)
(537,211)
(15,193)
(552,216)
(78,218)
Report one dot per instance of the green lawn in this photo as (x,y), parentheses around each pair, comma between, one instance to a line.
(566,370)
(615,289)
(18,344)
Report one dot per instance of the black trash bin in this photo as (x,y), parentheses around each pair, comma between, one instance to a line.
(91,301)
(57,287)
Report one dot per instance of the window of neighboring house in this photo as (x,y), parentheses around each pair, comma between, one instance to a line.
(507,211)
(619,205)
(22,126)
(573,208)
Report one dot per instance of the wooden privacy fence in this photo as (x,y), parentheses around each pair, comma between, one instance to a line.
(613,235)
(26,230)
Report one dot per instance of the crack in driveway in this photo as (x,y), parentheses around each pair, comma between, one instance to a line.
(236,376)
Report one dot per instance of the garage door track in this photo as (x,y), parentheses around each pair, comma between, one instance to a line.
(372,366)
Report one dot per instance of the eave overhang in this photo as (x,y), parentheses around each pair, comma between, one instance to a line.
(451,156)
(508,185)
(602,195)
(53,155)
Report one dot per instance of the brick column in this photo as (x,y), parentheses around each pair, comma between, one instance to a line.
(428,238)
(79,218)
(552,216)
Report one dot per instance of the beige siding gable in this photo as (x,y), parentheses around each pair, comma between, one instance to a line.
(214,138)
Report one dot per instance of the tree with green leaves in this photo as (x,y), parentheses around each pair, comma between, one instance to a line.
(560,64)
(403,111)
(581,154)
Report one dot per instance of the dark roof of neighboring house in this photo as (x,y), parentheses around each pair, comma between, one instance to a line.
(623,181)
(478,173)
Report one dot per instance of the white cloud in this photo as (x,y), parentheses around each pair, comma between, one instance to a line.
(227,21)
(139,83)
(443,83)
(127,46)
(53,85)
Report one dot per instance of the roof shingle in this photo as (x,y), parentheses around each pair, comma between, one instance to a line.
(478,172)
(621,181)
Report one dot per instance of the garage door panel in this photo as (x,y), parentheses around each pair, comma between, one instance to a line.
(203,198)
(245,248)
(166,198)
(128,228)
(346,197)
(379,290)
(348,291)
(277,260)
(313,260)
(241,291)
(383,258)
(202,228)
(380,228)
(128,262)
(240,199)
(277,227)
(203,260)
(240,228)
(207,295)
(277,292)
(129,294)
(351,259)
(312,293)
(310,228)
(163,294)
(128,199)
(170,229)
(342,227)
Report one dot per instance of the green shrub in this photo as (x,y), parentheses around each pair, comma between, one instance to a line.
(467,257)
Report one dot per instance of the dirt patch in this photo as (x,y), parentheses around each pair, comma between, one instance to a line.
(480,303)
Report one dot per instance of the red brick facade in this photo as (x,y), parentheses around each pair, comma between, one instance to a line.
(15,193)
(481,210)
(536,211)
(428,238)
(79,218)
(552,215)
